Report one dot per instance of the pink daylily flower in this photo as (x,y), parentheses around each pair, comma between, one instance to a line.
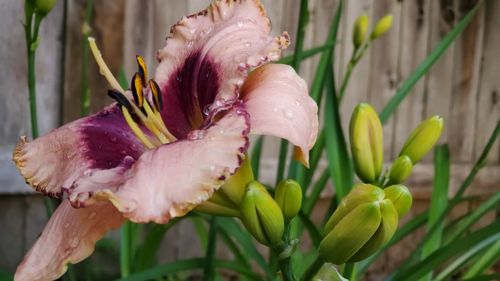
(160,155)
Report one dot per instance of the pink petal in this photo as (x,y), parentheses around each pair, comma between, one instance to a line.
(206,59)
(279,104)
(69,237)
(53,162)
(169,181)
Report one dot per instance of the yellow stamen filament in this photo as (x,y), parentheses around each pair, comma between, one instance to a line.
(152,121)
(137,131)
(103,68)
(158,121)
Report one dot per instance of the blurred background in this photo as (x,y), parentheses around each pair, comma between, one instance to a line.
(463,88)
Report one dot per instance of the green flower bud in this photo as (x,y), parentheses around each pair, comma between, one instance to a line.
(352,232)
(364,221)
(359,31)
(329,272)
(361,193)
(385,231)
(226,200)
(288,195)
(422,139)
(400,170)
(366,137)
(400,197)
(261,215)
(43,7)
(234,187)
(382,26)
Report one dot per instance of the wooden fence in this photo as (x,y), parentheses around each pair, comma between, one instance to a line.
(463,87)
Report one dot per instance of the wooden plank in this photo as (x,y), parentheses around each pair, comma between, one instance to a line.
(107,28)
(384,77)
(467,58)
(14,109)
(414,32)
(438,82)
(357,90)
(35,219)
(138,35)
(12,220)
(488,99)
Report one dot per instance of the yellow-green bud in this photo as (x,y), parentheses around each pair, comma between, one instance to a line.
(400,170)
(329,272)
(227,199)
(261,215)
(359,31)
(234,187)
(43,7)
(400,197)
(382,26)
(288,195)
(385,231)
(422,139)
(351,233)
(361,193)
(366,137)
(364,221)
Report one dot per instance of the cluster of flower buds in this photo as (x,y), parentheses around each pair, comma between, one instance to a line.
(264,217)
(360,29)
(368,216)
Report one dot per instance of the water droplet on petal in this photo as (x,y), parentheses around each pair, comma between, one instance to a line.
(222,131)
(240,24)
(275,110)
(248,44)
(73,242)
(114,140)
(192,30)
(92,215)
(297,102)
(196,135)
(212,168)
(206,109)
(179,78)
(288,113)
(87,173)
(66,225)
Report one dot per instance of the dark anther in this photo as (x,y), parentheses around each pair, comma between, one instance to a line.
(121,100)
(137,86)
(143,72)
(157,98)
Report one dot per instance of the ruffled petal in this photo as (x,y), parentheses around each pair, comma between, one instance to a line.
(169,181)
(206,59)
(278,102)
(69,237)
(53,162)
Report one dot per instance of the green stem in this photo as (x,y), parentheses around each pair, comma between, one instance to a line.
(125,248)
(348,270)
(209,268)
(32,89)
(313,269)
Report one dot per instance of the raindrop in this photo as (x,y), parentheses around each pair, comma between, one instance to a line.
(275,110)
(196,135)
(212,168)
(221,131)
(114,140)
(92,215)
(87,173)
(297,102)
(288,114)
(73,242)
(240,24)
(248,44)
(192,30)
(206,109)
(179,78)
